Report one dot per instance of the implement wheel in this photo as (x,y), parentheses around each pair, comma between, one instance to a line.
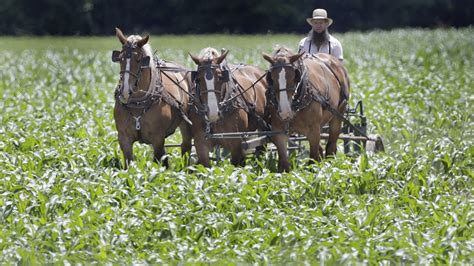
(374,144)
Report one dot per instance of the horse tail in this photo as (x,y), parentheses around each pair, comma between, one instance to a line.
(345,84)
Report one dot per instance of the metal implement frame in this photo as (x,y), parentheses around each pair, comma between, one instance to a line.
(353,135)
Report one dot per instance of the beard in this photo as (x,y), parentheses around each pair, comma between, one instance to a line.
(319,38)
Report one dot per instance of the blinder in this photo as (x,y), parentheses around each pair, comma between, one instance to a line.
(268,76)
(116,56)
(145,63)
(193,75)
(225,75)
(142,61)
(297,75)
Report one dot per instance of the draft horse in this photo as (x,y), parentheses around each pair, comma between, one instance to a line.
(149,102)
(305,93)
(226,98)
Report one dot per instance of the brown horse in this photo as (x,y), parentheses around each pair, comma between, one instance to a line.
(149,103)
(227,98)
(303,95)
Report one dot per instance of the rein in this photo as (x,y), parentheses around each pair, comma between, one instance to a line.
(164,69)
(161,66)
(244,91)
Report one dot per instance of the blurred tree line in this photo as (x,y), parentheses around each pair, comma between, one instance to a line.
(99,17)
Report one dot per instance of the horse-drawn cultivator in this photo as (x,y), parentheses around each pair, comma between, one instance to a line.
(298,101)
(354,137)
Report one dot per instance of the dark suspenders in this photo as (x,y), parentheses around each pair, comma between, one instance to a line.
(311,42)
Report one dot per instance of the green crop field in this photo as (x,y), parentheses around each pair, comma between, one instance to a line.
(65,199)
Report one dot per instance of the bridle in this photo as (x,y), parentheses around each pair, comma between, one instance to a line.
(143,61)
(209,69)
(271,93)
(284,65)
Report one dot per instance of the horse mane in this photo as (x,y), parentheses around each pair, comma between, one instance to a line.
(208,53)
(282,51)
(146,48)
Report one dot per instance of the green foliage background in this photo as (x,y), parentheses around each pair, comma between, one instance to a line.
(63,197)
(99,17)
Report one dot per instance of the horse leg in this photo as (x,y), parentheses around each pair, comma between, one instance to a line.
(237,154)
(315,149)
(159,151)
(334,130)
(202,151)
(281,141)
(126,145)
(186,135)
(260,150)
(254,118)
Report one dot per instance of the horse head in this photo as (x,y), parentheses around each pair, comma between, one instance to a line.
(283,77)
(209,80)
(136,62)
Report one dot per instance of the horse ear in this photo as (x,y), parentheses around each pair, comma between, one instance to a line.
(222,57)
(295,57)
(224,52)
(120,36)
(143,41)
(196,59)
(268,58)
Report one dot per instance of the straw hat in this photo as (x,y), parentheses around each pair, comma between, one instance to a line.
(319,14)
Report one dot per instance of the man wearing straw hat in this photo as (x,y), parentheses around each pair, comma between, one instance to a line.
(319,40)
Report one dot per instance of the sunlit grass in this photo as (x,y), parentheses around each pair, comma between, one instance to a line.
(65,199)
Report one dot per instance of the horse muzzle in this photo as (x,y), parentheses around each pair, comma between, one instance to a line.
(122,99)
(213,117)
(123,96)
(286,116)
